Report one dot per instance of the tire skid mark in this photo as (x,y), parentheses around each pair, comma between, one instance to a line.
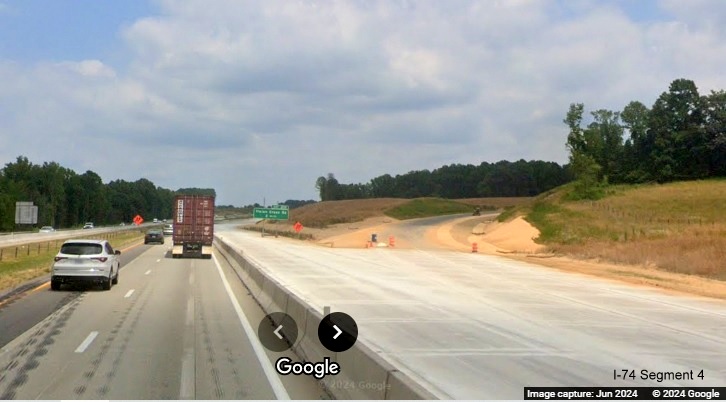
(231,362)
(47,331)
(207,340)
(143,299)
(91,372)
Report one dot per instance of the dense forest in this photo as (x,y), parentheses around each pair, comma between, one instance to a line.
(681,137)
(67,199)
(501,179)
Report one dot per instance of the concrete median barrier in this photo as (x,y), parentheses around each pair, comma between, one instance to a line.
(364,375)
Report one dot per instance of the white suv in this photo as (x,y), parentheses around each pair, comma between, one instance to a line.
(86,261)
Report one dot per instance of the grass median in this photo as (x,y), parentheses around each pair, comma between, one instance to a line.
(22,263)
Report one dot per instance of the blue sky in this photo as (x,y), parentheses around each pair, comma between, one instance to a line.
(259,98)
(37,30)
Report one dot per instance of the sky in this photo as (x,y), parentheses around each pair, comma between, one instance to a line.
(257,99)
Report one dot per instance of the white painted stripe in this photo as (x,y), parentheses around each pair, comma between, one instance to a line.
(129,293)
(190,312)
(191,278)
(270,373)
(147,272)
(87,342)
(187,386)
(158,260)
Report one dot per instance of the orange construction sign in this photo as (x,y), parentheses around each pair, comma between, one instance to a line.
(298,227)
(138,220)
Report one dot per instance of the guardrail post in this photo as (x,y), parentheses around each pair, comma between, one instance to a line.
(16,251)
(1,253)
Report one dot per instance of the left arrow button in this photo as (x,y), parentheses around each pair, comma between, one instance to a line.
(277,332)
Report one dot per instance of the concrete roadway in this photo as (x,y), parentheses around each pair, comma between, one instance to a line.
(473,326)
(169,330)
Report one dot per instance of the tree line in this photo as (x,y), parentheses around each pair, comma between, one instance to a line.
(67,199)
(681,137)
(501,179)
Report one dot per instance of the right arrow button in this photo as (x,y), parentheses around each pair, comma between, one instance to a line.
(338,332)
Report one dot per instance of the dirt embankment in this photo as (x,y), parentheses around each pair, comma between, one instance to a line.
(515,240)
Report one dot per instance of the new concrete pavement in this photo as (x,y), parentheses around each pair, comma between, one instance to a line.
(483,327)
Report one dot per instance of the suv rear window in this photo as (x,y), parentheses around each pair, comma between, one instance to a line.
(81,248)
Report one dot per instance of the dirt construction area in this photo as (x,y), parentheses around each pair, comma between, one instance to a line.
(513,239)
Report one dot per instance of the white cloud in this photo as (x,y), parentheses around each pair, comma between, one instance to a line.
(259,98)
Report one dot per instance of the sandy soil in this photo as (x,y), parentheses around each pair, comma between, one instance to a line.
(515,239)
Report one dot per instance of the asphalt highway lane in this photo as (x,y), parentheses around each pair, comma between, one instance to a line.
(167,331)
(19,314)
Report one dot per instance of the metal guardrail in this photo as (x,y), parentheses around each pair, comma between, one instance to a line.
(18,239)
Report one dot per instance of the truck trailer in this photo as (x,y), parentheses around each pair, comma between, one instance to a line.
(193,226)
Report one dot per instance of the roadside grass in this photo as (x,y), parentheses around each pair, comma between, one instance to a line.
(677,227)
(34,259)
(325,213)
(425,207)
(494,203)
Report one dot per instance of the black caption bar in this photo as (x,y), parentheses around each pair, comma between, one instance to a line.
(625,393)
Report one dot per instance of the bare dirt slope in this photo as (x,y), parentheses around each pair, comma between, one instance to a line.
(515,239)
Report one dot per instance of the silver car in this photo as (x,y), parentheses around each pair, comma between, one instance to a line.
(87,262)
(47,229)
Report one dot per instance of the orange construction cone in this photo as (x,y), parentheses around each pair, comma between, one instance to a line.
(474,248)
(391,241)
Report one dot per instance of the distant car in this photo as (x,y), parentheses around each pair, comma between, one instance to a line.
(88,225)
(154,236)
(156,220)
(122,224)
(168,229)
(85,261)
(47,229)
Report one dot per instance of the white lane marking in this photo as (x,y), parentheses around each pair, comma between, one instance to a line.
(191,278)
(187,387)
(147,272)
(158,260)
(270,373)
(87,342)
(129,293)
(190,312)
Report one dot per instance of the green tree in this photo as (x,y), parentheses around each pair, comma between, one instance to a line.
(715,131)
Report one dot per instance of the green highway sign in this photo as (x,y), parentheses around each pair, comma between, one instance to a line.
(270,213)
(282,206)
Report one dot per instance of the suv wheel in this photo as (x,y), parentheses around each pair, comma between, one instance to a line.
(54,284)
(115,279)
(107,283)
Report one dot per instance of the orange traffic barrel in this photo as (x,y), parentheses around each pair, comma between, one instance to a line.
(391,241)
(474,248)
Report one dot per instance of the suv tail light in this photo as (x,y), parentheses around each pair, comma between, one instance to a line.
(102,259)
(56,259)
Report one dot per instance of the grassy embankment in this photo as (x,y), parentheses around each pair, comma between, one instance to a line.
(323,214)
(677,227)
(29,261)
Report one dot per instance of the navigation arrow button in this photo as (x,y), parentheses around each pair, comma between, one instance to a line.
(337,332)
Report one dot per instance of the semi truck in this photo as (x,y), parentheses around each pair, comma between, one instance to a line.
(193,222)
